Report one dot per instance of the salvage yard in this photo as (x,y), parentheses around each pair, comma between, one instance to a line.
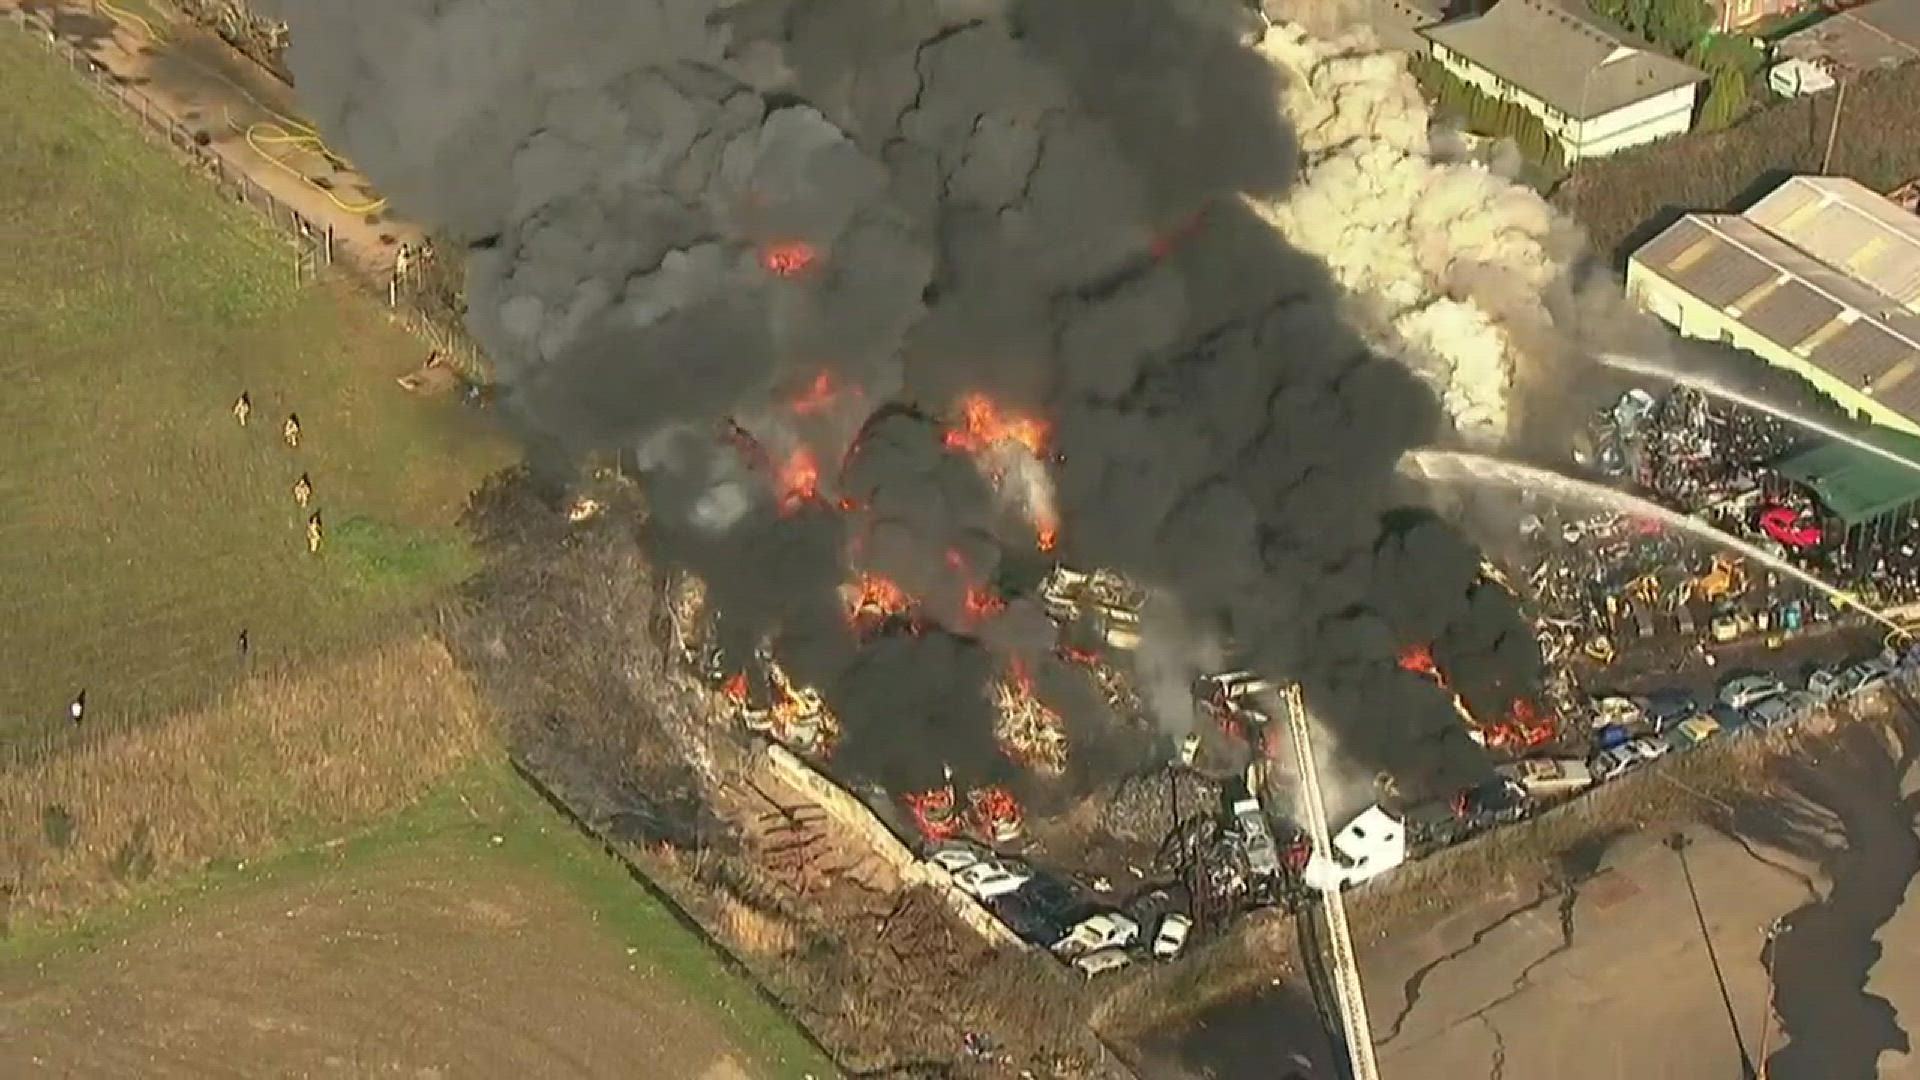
(475,935)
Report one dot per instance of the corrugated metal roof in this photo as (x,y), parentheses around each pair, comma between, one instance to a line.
(1859,485)
(1721,258)
(1791,313)
(1850,228)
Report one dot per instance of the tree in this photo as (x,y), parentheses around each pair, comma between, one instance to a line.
(1719,52)
(1677,25)
(1726,100)
(1674,25)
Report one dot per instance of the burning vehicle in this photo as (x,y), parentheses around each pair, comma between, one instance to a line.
(990,813)
(766,701)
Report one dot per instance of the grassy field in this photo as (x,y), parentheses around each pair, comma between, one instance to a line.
(141,528)
(477,933)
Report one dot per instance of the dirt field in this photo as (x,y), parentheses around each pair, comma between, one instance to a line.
(141,528)
(478,935)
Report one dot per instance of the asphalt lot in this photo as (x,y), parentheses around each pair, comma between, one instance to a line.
(1622,974)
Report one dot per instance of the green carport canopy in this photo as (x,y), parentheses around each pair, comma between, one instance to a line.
(1857,485)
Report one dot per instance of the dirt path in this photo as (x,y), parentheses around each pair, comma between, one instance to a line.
(424,967)
(221,95)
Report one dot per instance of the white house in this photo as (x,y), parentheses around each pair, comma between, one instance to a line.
(1595,88)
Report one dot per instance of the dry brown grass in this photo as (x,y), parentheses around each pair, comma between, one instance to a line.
(750,930)
(278,758)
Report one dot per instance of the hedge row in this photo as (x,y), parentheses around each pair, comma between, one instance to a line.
(1483,114)
(1625,199)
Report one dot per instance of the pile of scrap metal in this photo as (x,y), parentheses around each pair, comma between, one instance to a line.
(1028,732)
(990,813)
(1107,602)
(797,717)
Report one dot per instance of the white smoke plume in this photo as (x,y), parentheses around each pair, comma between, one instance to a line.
(1447,259)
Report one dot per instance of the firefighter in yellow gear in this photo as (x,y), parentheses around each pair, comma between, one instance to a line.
(290,431)
(313,533)
(303,491)
(243,409)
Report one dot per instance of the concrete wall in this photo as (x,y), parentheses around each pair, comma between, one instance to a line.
(852,814)
(1657,117)
(1692,318)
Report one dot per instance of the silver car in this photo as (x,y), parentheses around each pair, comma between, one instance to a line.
(1099,963)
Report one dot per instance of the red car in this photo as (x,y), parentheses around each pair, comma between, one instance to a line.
(1795,528)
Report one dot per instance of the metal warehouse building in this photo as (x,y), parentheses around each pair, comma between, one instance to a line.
(1821,277)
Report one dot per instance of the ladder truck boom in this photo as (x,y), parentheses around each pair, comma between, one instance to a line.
(1348,993)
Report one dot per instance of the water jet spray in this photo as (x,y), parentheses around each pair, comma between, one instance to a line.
(1452,466)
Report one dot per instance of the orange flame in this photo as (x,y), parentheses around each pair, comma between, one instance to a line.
(1047,534)
(982,602)
(787,258)
(1079,656)
(1418,659)
(817,396)
(799,480)
(984,424)
(878,596)
(736,686)
(1017,677)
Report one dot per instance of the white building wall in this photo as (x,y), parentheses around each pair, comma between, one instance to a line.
(1657,117)
(1687,314)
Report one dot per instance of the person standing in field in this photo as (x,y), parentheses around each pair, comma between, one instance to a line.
(290,430)
(243,409)
(313,533)
(77,708)
(303,491)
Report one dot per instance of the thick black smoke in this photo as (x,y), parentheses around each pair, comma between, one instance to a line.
(682,211)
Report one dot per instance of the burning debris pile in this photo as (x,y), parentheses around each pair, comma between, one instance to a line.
(886,302)
(1028,731)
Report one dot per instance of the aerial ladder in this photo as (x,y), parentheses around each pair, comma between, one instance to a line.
(1348,996)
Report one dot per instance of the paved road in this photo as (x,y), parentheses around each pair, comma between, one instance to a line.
(1652,963)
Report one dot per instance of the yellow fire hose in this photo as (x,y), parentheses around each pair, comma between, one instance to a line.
(282,130)
(131,21)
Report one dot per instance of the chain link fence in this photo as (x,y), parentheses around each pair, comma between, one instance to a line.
(414,294)
(312,242)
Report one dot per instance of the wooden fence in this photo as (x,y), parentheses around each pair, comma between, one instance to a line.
(312,243)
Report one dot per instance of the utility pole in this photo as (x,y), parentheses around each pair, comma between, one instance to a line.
(1833,130)
(1347,991)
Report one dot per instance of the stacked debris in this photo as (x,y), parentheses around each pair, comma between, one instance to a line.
(262,40)
(1029,733)
(1109,603)
(1143,808)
